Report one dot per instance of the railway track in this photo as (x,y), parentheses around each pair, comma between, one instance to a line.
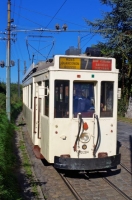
(82,187)
(106,179)
(117,189)
(110,183)
(130,172)
(127,170)
(72,189)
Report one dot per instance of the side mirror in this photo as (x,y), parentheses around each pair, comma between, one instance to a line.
(43,91)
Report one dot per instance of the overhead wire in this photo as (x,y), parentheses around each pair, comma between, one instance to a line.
(14,5)
(19,50)
(50,22)
(51,16)
(19,11)
(28,19)
(36,50)
(28,50)
(18,55)
(45,47)
(50,51)
(88,41)
(56,13)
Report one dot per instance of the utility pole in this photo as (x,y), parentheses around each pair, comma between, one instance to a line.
(18,78)
(8,76)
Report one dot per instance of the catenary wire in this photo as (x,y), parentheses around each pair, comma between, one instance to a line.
(51,16)
(28,19)
(56,13)
(50,22)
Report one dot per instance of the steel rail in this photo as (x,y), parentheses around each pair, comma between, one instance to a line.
(126,168)
(74,192)
(117,189)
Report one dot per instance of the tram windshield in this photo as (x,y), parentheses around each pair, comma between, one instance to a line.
(83,99)
(106,99)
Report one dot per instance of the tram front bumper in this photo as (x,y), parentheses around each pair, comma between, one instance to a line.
(87,164)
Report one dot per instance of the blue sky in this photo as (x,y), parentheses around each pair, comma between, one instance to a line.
(37,14)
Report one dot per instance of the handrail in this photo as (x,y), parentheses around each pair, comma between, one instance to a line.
(98,136)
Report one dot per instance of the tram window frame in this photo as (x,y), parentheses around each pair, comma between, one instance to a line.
(46,99)
(106,99)
(83,98)
(31,95)
(61,98)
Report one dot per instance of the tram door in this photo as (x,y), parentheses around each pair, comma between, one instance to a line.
(37,110)
(68,103)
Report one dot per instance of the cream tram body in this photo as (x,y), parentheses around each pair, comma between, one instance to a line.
(70,107)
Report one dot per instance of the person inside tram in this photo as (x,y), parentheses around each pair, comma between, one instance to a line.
(81,103)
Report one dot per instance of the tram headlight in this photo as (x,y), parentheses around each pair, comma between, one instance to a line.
(84,137)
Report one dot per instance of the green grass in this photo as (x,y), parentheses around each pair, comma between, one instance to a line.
(9,188)
(124,119)
(28,168)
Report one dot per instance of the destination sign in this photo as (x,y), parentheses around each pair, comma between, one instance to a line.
(85,64)
(70,63)
(101,65)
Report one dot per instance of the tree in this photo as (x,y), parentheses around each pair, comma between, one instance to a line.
(116,29)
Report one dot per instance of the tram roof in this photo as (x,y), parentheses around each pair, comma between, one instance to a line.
(73,62)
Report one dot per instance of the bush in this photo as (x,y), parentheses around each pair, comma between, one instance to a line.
(8,182)
(122,107)
(16,108)
(8,186)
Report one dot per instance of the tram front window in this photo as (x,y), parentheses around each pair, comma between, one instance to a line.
(83,99)
(106,99)
(61,102)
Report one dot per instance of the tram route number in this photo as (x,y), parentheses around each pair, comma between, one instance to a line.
(69,63)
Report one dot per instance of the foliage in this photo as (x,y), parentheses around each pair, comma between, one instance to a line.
(15,110)
(8,182)
(9,188)
(2,101)
(122,108)
(2,87)
(116,29)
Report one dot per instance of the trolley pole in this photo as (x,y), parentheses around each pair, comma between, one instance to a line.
(25,68)
(8,76)
(79,42)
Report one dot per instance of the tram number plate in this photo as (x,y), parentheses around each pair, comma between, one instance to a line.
(83,152)
(70,63)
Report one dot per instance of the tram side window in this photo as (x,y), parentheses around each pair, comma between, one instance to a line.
(46,99)
(83,99)
(106,99)
(61,101)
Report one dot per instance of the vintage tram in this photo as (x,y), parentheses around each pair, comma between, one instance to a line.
(70,108)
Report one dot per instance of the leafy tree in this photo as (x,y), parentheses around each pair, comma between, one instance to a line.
(116,29)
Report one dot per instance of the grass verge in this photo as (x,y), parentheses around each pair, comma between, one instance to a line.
(9,187)
(27,166)
(124,119)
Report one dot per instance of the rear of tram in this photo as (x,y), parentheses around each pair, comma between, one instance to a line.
(85,114)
